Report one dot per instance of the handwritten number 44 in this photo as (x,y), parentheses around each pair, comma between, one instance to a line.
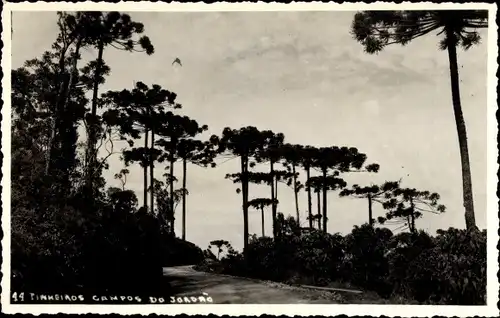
(18,297)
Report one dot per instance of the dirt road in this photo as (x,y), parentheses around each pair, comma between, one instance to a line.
(235,290)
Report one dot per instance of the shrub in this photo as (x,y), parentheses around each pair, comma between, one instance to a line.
(452,272)
(449,268)
(315,256)
(319,256)
(43,257)
(123,244)
(403,249)
(208,254)
(177,252)
(365,263)
(266,259)
(234,264)
(83,249)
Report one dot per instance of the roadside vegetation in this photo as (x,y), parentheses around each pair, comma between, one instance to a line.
(449,268)
(407,268)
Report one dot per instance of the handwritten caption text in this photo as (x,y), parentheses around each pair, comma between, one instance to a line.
(65,298)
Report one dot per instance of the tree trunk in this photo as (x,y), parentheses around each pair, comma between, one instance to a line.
(171,188)
(412,216)
(468,203)
(296,194)
(276,193)
(74,69)
(244,191)
(309,201)
(273,198)
(370,212)
(184,173)
(146,137)
(262,215)
(151,170)
(325,220)
(91,141)
(57,113)
(319,209)
(67,130)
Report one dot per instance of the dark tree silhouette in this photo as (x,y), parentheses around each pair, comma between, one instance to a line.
(272,152)
(326,183)
(373,193)
(408,204)
(243,143)
(136,111)
(259,178)
(292,155)
(36,103)
(156,124)
(378,29)
(316,185)
(164,201)
(308,153)
(288,227)
(72,31)
(331,162)
(122,201)
(122,176)
(318,216)
(281,176)
(220,244)
(196,152)
(173,130)
(61,46)
(101,30)
(63,240)
(261,203)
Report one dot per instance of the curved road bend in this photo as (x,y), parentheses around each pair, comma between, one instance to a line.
(234,290)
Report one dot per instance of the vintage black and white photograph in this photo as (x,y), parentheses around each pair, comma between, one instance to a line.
(263,155)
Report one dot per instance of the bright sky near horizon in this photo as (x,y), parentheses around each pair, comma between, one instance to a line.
(302,74)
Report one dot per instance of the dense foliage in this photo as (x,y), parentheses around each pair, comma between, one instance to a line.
(449,268)
(71,232)
(77,248)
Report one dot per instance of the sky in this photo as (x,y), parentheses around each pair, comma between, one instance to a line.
(302,74)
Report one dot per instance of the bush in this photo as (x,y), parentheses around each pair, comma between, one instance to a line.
(176,252)
(266,259)
(403,249)
(447,269)
(319,256)
(127,255)
(80,249)
(365,263)
(43,258)
(314,256)
(234,264)
(452,272)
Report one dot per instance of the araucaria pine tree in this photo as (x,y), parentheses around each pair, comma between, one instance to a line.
(458,28)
